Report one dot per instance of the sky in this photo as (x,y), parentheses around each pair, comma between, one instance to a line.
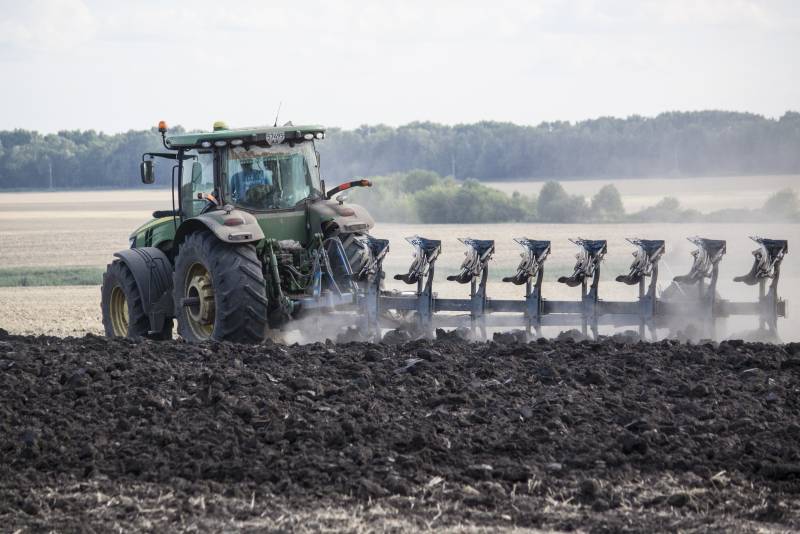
(116,66)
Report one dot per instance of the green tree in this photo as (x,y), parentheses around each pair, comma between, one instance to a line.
(417,180)
(783,204)
(556,206)
(668,209)
(607,205)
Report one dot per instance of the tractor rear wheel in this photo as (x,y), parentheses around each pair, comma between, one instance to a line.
(121,304)
(219,291)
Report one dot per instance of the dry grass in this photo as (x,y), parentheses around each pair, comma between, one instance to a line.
(136,506)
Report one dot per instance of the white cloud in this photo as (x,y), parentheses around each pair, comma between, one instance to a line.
(51,26)
(124,65)
(733,13)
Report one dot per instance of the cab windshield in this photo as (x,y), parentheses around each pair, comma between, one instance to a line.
(264,178)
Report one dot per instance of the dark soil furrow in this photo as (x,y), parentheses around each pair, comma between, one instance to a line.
(551,434)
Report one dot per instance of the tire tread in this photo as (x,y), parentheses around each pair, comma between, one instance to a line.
(239,287)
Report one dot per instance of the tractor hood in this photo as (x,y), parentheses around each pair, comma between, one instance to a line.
(152,223)
(348,217)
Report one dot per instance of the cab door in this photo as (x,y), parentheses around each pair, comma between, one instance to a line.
(197,180)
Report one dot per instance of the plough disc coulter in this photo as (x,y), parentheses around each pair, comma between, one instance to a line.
(690,297)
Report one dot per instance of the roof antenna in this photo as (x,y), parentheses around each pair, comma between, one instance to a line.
(277,113)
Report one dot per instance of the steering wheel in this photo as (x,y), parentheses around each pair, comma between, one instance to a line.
(211,201)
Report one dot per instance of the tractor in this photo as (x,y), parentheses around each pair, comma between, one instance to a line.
(253,240)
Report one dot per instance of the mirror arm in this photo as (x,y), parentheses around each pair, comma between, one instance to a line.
(347,185)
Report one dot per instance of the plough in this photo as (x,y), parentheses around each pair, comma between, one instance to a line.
(689,297)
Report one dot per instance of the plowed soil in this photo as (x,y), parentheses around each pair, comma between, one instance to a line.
(100,435)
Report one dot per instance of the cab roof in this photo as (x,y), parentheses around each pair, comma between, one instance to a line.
(269,134)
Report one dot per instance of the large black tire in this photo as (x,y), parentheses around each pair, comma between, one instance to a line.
(237,293)
(120,294)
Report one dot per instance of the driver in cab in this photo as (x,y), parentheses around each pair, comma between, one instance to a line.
(252,186)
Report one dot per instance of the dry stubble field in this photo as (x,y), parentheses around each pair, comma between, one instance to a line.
(83,229)
(64,229)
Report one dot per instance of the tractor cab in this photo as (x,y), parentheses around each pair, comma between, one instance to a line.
(259,170)
(269,176)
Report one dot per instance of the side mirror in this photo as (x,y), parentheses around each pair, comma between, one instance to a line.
(148,171)
(197,173)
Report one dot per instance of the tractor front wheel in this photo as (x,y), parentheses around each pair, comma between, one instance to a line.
(219,291)
(121,304)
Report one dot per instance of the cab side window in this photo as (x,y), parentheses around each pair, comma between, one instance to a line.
(198,179)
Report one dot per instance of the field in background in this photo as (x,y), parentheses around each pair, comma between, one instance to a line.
(702,194)
(55,311)
(46,236)
(71,228)
(49,276)
(82,228)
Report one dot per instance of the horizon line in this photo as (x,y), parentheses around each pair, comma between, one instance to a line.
(450,125)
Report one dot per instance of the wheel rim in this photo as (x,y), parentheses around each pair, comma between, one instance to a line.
(200,308)
(119,312)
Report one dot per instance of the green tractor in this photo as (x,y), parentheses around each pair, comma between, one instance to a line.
(252,241)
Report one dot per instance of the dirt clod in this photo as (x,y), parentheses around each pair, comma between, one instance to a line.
(588,488)
(678,499)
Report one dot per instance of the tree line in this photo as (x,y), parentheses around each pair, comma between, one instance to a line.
(670,144)
(426,197)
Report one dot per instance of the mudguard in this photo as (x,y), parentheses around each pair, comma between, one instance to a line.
(347,217)
(152,271)
(230,226)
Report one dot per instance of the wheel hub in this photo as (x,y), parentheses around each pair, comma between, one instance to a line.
(199,294)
